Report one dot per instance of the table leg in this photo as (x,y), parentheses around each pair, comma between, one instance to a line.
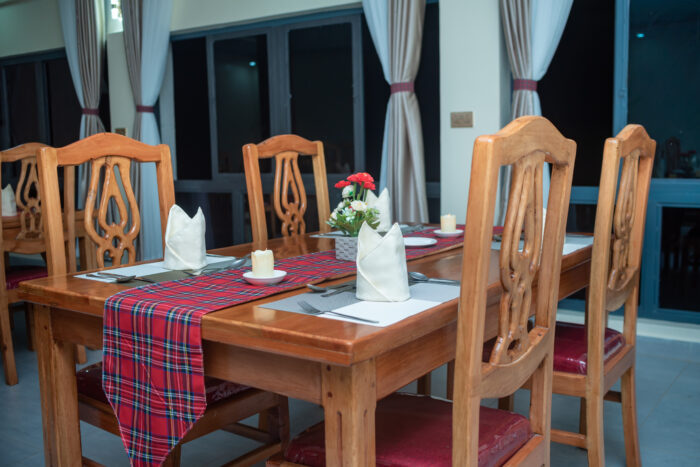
(349,401)
(59,395)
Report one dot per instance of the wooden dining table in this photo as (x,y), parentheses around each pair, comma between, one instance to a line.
(343,366)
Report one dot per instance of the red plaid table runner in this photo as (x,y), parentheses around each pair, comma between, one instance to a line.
(153,372)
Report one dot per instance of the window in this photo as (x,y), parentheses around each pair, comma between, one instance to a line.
(39,104)
(319,78)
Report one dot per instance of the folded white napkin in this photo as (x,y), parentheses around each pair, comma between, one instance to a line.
(382,275)
(9,206)
(383,205)
(184,240)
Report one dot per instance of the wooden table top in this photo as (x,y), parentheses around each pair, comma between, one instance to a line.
(325,340)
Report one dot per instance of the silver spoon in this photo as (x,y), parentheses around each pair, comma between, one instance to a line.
(309,309)
(213,268)
(420,277)
(119,278)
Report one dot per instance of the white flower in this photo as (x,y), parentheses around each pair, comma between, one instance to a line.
(348,191)
(334,216)
(341,205)
(358,205)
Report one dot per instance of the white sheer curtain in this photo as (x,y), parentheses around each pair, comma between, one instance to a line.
(84,37)
(532,30)
(154,34)
(396,27)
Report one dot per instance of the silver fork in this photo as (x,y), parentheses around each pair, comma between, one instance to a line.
(312,310)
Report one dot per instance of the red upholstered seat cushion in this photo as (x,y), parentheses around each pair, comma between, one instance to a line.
(416,430)
(17,274)
(571,347)
(90,385)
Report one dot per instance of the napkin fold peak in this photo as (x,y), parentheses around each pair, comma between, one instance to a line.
(9,205)
(383,204)
(185,246)
(382,273)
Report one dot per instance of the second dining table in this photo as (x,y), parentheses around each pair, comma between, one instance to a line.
(343,366)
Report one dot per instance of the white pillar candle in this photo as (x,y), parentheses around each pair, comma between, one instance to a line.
(448,223)
(263,263)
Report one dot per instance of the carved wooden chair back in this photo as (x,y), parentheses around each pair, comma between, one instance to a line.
(110,156)
(619,233)
(28,237)
(525,144)
(289,194)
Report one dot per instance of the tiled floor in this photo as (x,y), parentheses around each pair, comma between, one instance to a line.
(668,392)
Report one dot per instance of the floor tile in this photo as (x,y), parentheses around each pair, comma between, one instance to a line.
(668,378)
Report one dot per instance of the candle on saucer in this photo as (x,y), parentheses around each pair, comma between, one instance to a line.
(448,223)
(263,263)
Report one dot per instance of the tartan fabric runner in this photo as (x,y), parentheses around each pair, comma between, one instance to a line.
(153,373)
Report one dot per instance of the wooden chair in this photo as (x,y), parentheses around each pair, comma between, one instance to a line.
(590,358)
(20,234)
(23,234)
(108,153)
(286,150)
(415,430)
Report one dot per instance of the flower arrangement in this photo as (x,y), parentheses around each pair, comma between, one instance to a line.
(353,211)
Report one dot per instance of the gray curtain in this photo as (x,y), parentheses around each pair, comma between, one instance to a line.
(396,27)
(405,174)
(131,17)
(84,35)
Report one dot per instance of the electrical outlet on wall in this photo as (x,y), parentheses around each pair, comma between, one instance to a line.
(462,119)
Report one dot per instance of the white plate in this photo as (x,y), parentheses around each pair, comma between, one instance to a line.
(442,234)
(418,242)
(276,277)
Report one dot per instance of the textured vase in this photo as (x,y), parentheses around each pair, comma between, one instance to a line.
(346,248)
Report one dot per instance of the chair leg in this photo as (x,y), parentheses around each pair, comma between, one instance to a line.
(594,432)
(450,380)
(173,459)
(629,418)
(80,354)
(582,417)
(424,385)
(6,347)
(278,422)
(29,323)
(507,403)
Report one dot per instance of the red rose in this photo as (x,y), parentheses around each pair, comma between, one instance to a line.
(365,177)
(342,184)
(370,186)
(354,178)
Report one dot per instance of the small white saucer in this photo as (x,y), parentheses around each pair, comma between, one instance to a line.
(418,242)
(277,276)
(442,234)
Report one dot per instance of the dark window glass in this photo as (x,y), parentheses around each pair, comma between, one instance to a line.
(192,132)
(664,71)
(428,92)
(217,209)
(427,86)
(242,97)
(320,75)
(576,93)
(680,259)
(64,108)
(581,218)
(25,125)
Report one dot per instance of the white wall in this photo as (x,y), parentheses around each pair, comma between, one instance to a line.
(121,101)
(474,76)
(474,70)
(198,15)
(29,26)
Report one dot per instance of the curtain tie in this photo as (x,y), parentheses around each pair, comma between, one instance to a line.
(524,85)
(87,111)
(402,87)
(145,108)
